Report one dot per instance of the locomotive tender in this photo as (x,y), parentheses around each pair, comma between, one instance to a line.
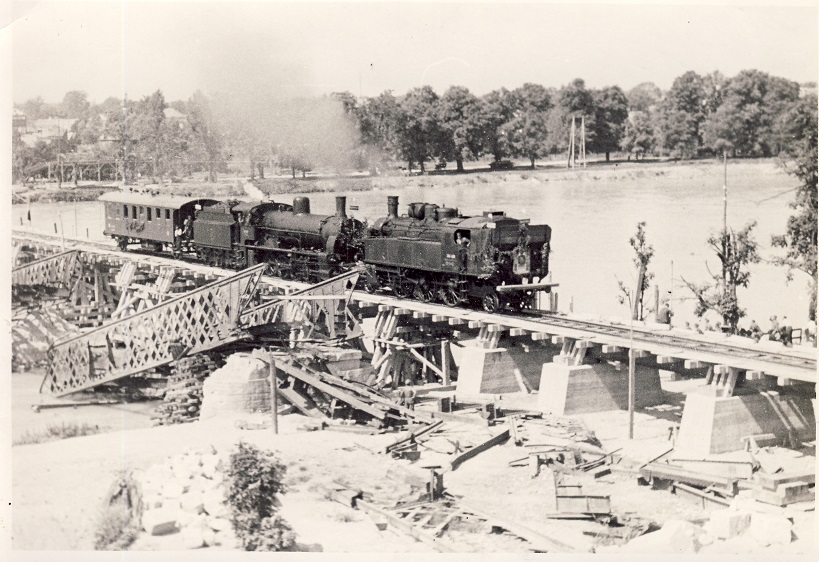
(431,254)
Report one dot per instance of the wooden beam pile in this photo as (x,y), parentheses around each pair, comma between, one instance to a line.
(183,393)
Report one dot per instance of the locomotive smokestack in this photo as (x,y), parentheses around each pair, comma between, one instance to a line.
(392,206)
(341,206)
(301,205)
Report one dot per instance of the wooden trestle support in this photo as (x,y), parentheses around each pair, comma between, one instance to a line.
(410,353)
(223,312)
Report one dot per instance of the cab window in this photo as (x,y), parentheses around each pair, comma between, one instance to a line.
(125,211)
(167,214)
(133,211)
(149,213)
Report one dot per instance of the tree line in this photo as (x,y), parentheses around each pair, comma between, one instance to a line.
(748,115)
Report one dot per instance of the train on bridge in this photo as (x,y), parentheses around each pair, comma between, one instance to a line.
(432,254)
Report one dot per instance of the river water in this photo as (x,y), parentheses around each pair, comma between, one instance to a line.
(593,214)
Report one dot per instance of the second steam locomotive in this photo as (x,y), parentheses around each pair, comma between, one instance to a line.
(432,254)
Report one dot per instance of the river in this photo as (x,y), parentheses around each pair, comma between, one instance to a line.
(593,214)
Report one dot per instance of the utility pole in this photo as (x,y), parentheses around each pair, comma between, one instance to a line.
(274,394)
(725,191)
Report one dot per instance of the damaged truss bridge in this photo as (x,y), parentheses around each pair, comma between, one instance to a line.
(213,316)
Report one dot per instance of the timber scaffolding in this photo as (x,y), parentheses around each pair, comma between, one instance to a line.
(718,357)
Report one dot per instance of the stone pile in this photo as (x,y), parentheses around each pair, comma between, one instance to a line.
(183,395)
(241,385)
(186,495)
(728,531)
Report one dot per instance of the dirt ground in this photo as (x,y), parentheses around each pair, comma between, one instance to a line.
(59,486)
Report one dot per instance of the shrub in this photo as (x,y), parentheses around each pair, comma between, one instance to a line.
(121,515)
(254,478)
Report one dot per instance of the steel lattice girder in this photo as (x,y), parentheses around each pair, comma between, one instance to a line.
(211,316)
(324,305)
(193,322)
(55,271)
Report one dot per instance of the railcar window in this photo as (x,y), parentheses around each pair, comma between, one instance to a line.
(158,213)
(125,211)
(149,213)
(167,214)
(141,210)
(133,211)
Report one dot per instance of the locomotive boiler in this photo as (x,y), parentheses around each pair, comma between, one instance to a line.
(436,254)
(294,242)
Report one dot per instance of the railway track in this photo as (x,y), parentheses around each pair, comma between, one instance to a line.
(743,353)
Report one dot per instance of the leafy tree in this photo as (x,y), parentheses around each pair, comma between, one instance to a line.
(378,125)
(419,131)
(643,252)
(207,137)
(573,100)
(639,136)
(459,112)
(610,116)
(735,250)
(799,124)
(75,105)
(643,97)
(744,120)
(36,108)
(681,114)
(527,130)
(497,110)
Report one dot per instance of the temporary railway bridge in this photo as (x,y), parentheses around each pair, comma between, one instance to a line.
(721,358)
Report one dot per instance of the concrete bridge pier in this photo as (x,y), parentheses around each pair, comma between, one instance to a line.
(586,378)
(713,423)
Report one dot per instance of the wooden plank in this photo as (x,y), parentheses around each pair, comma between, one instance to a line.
(304,404)
(693,364)
(540,336)
(418,314)
(610,349)
(477,449)
(404,526)
(414,435)
(456,321)
(476,324)
(316,383)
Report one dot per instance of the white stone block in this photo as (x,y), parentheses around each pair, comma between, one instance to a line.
(727,524)
(767,529)
(193,537)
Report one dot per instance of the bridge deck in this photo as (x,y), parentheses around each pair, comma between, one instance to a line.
(773,359)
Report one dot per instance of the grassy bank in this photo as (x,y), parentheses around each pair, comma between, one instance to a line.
(553,171)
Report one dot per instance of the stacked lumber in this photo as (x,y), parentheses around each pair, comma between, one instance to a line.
(183,393)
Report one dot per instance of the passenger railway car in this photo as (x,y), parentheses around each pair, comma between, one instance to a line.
(155,222)
(434,253)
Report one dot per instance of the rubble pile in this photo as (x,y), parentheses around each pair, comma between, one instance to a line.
(186,495)
(33,330)
(183,394)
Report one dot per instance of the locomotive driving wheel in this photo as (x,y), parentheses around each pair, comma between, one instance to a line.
(422,292)
(450,296)
(491,302)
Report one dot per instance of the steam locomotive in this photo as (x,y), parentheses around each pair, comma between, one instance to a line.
(431,254)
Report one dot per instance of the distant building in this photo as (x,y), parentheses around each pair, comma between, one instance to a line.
(47,130)
(18,122)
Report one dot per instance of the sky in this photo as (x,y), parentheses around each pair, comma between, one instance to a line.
(113,48)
